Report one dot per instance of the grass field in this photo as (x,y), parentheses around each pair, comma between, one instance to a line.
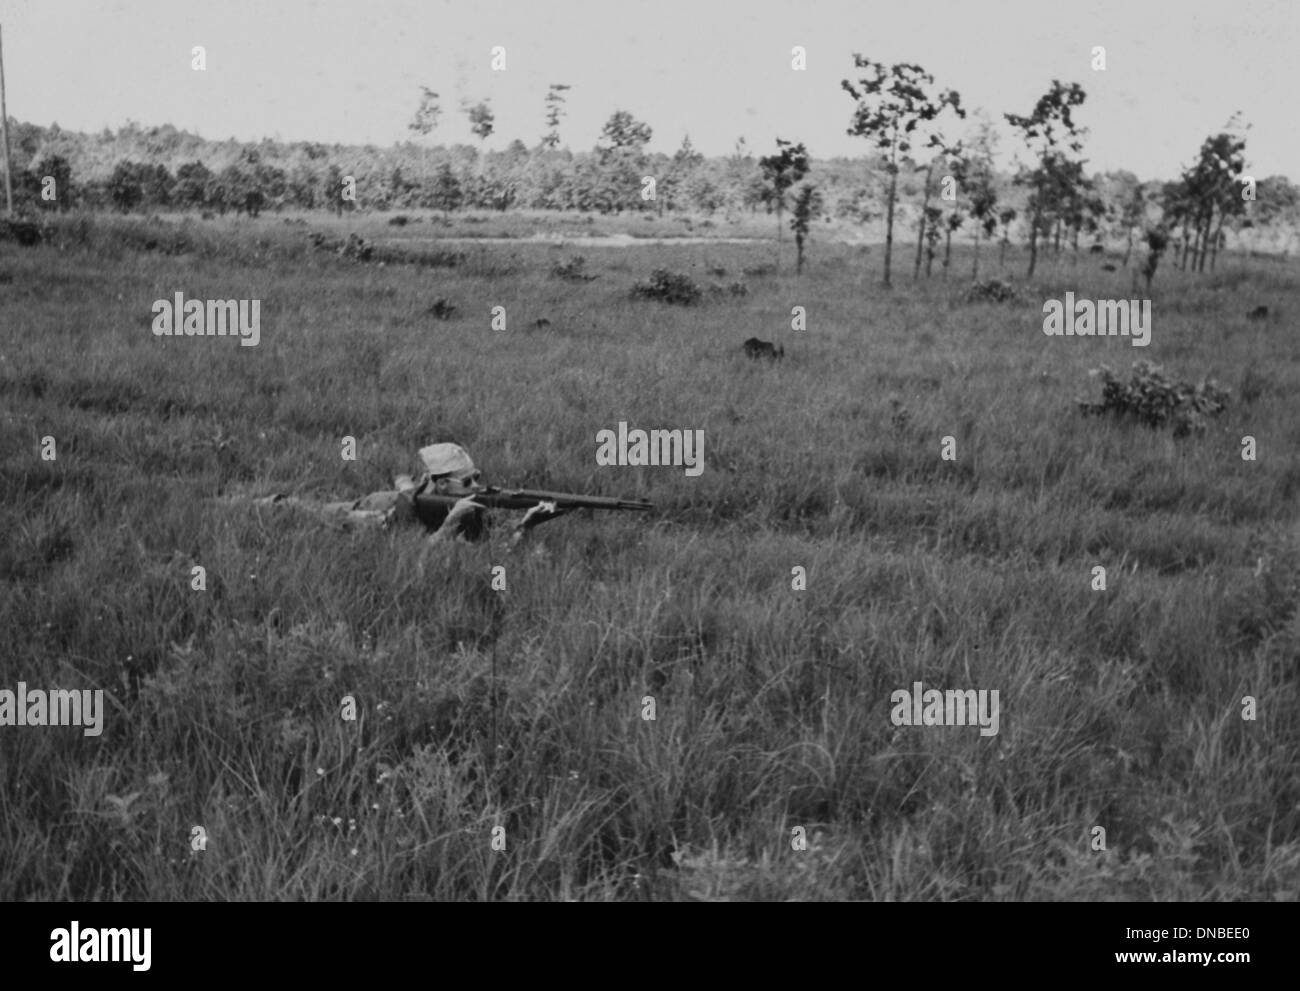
(1120,709)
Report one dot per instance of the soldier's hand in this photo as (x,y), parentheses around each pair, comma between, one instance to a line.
(540,513)
(451,525)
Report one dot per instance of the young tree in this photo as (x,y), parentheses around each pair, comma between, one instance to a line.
(1048,129)
(554,111)
(981,201)
(623,131)
(891,103)
(954,160)
(1133,214)
(780,172)
(1006,217)
(952,154)
(807,205)
(958,157)
(739,177)
(426,114)
(334,189)
(1177,204)
(1214,191)
(621,161)
(1069,200)
(955,220)
(447,194)
(1157,240)
(685,162)
(482,122)
(426,118)
(970,162)
(933,219)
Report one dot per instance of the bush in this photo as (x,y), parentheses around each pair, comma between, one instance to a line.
(991,291)
(357,247)
(668,287)
(25,232)
(733,289)
(1156,401)
(574,270)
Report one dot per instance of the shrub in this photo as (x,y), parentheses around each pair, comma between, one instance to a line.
(732,289)
(442,309)
(25,232)
(1156,401)
(574,270)
(357,247)
(991,291)
(668,287)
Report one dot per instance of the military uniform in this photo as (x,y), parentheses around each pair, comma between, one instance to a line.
(448,469)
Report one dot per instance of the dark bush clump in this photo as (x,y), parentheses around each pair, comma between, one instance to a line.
(24,232)
(668,287)
(1156,401)
(574,270)
(733,289)
(357,247)
(991,291)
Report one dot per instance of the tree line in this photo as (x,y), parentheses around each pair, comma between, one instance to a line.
(919,171)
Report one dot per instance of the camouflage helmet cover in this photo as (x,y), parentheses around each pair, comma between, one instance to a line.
(448,460)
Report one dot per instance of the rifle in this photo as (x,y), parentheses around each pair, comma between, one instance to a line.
(432,507)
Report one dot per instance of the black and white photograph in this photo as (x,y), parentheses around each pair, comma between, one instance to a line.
(770,451)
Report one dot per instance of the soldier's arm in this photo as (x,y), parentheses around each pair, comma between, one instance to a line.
(451,526)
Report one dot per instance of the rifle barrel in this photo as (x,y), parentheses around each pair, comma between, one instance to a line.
(494,498)
(563,499)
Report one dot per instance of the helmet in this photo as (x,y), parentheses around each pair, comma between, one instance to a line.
(449,461)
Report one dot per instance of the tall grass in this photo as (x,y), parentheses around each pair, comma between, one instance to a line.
(1120,709)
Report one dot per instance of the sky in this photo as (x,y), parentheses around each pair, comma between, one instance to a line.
(350,72)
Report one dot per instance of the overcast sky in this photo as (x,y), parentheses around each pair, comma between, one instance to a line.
(348,71)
